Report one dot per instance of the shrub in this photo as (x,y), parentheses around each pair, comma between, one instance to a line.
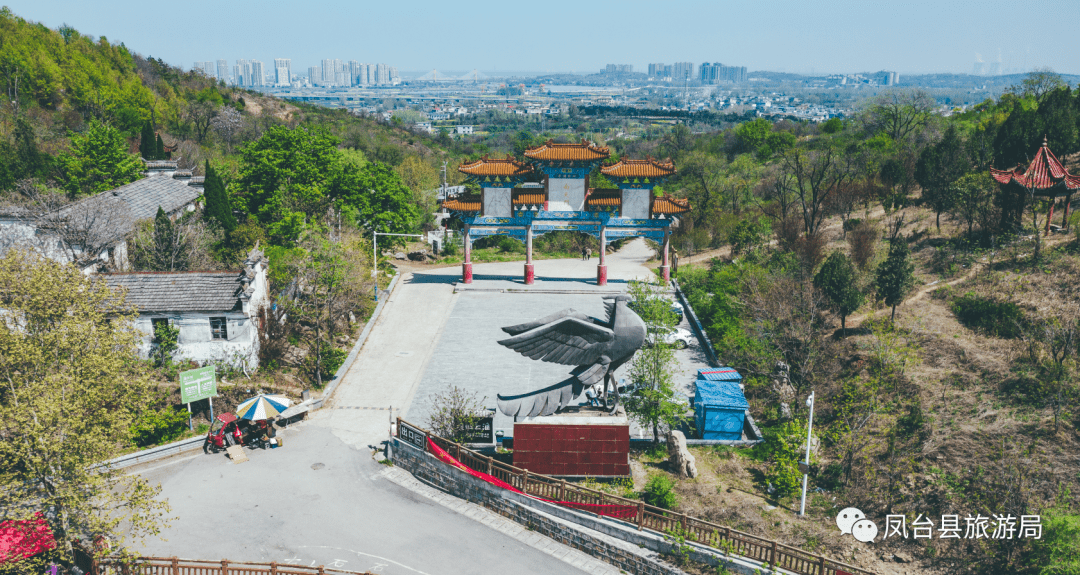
(851,223)
(748,234)
(785,448)
(863,240)
(989,316)
(159,426)
(660,492)
(332,359)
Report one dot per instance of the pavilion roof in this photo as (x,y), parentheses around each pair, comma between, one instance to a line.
(496,167)
(669,205)
(470,203)
(584,151)
(603,198)
(647,168)
(528,196)
(1044,172)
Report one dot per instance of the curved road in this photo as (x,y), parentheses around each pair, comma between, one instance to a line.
(322,500)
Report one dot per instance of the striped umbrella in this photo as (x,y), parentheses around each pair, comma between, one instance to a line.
(263,406)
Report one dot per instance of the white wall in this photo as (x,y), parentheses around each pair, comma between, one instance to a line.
(566,195)
(497,202)
(196,341)
(636,204)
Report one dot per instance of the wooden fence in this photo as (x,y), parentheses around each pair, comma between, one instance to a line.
(664,521)
(176,566)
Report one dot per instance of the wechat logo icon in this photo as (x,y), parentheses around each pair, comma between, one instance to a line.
(852,521)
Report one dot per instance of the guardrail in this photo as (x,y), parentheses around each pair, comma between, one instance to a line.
(724,539)
(710,351)
(177,566)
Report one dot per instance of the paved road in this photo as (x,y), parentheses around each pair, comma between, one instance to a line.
(283,506)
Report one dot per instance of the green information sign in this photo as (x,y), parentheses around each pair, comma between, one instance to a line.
(197,384)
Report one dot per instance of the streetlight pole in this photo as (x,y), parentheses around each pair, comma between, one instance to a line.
(375,255)
(806,470)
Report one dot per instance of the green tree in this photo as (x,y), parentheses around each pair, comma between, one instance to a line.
(97,161)
(939,166)
(159,149)
(836,279)
(166,338)
(218,206)
(71,393)
(287,177)
(147,146)
(29,161)
(974,200)
(373,197)
(895,276)
(653,401)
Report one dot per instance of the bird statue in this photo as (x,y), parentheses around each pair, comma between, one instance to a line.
(596,347)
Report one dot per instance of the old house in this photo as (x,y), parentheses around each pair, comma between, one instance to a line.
(93,231)
(217,312)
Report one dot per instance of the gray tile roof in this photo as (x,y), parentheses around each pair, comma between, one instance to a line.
(144,196)
(180,291)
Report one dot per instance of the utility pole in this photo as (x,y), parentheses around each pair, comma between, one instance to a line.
(806,466)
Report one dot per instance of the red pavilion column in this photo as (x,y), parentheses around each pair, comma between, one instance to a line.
(466,268)
(601,270)
(530,273)
(665,262)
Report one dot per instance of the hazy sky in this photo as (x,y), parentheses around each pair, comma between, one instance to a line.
(803,36)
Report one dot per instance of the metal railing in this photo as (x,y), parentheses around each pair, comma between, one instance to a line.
(176,566)
(666,522)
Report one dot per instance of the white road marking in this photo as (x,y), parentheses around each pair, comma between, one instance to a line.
(189,458)
(364,554)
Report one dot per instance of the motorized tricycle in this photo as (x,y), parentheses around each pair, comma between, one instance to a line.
(229,430)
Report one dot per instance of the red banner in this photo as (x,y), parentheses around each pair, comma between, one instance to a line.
(617,511)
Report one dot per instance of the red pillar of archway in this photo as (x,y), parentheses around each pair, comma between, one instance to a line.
(601,270)
(466,267)
(530,272)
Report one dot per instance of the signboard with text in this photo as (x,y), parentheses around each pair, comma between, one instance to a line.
(198,384)
(412,435)
(481,431)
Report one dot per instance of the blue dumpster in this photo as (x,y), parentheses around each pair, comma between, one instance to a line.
(719,404)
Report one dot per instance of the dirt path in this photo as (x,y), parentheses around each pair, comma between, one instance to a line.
(855,321)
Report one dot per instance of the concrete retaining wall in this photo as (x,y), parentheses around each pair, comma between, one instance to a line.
(610,540)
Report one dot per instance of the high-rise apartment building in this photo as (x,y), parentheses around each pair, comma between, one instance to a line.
(393,75)
(682,70)
(258,76)
(314,74)
(716,73)
(328,72)
(382,75)
(354,73)
(282,71)
(242,73)
(619,69)
(223,70)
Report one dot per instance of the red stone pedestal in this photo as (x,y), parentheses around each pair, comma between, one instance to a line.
(530,274)
(593,450)
(601,275)
(466,273)
(666,273)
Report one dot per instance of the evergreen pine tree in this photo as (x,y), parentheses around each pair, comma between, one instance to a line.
(168,251)
(895,276)
(217,200)
(159,149)
(146,142)
(836,279)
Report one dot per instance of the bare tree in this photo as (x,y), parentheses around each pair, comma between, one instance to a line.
(228,123)
(898,113)
(83,230)
(1037,83)
(200,114)
(817,174)
(777,192)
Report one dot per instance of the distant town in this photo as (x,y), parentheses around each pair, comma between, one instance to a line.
(432,100)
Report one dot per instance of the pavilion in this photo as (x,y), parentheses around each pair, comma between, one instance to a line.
(511,204)
(1046,176)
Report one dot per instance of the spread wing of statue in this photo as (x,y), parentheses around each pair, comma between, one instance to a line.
(596,347)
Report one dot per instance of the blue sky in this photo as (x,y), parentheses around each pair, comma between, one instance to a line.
(908,36)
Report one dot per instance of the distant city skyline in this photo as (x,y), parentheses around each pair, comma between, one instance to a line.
(919,36)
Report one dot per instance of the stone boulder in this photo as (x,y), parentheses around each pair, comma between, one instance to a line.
(680,460)
(418,256)
(399,256)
